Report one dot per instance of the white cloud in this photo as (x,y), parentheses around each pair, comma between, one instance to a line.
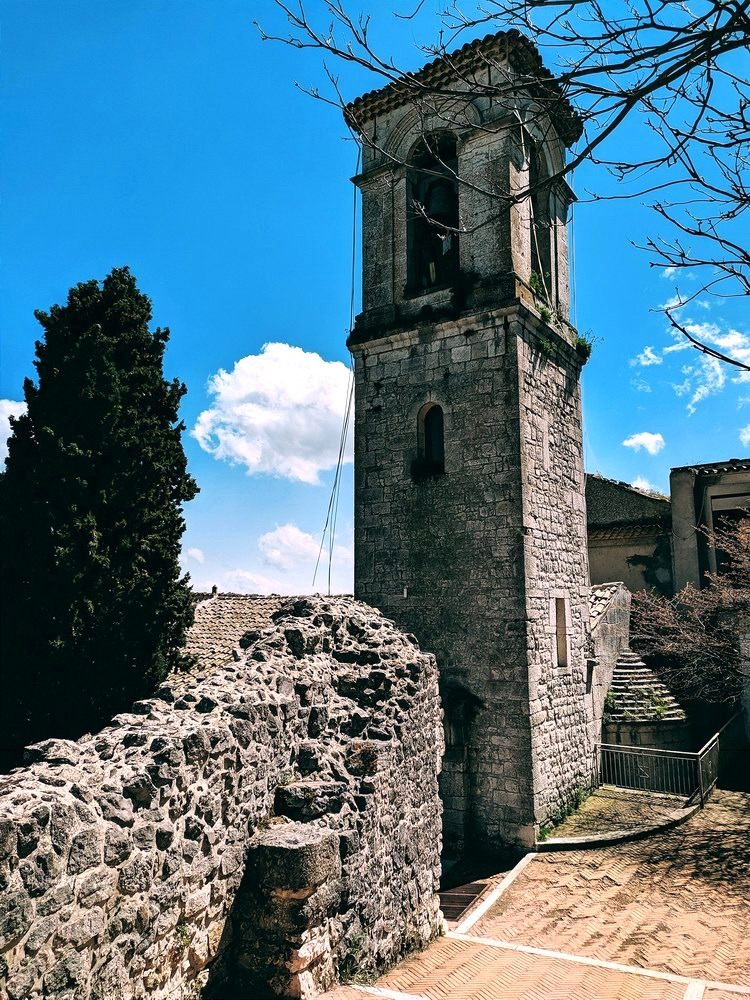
(729,341)
(710,378)
(289,549)
(639,483)
(669,272)
(286,547)
(8,408)
(290,555)
(196,554)
(242,581)
(683,344)
(652,443)
(279,412)
(745,435)
(648,356)
(640,384)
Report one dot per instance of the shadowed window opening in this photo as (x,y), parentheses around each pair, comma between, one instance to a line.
(432,214)
(430,442)
(541,221)
(561,632)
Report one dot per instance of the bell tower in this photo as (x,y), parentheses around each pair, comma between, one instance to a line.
(470,522)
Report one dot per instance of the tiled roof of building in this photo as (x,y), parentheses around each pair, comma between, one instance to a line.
(648,528)
(438,75)
(222,620)
(599,598)
(610,502)
(714,468)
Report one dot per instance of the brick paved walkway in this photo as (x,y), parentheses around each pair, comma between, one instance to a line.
(661,919)
(677,902)
(610,809)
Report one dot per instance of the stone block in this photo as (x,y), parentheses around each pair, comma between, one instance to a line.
(306,800)
(16,915)
(293,856)
(85,851)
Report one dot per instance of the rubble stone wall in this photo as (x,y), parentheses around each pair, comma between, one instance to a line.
(302,775)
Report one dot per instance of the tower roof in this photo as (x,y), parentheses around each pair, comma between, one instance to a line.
(437,76)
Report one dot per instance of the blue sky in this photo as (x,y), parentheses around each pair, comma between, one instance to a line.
(164,134)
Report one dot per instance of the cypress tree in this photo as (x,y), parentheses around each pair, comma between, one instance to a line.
(95,609)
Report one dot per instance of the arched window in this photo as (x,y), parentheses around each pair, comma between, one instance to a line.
(541,223)
(430,442)
(432,214)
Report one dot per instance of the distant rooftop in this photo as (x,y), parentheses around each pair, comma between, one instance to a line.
(611,503)
(714,468)
(600,597)
(222,619)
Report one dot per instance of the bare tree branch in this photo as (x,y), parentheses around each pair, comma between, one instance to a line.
(670,67)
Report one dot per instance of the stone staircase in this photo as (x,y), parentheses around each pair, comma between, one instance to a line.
(637,694)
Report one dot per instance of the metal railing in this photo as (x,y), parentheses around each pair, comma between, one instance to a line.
(672,772)
(708,767)
(647,769)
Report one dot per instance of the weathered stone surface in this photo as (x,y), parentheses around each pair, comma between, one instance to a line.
(307,800)
(38,874)
(133,859)
(85,851)
(293,856)
(16,914)
(117,845)
(135,875)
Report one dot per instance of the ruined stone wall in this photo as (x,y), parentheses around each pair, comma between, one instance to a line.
(315,754)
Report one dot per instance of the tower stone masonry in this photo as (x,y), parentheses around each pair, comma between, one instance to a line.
(470,522)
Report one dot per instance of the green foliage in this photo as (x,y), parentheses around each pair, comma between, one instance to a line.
(694,639)
(352,968)
(574,803)
(657,703)
(183,933)
(91,517)
(610,702)
(537,285)
(584,345)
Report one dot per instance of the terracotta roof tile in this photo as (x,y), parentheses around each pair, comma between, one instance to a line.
(452,67)
(599,600)
(714,468)
(222,620)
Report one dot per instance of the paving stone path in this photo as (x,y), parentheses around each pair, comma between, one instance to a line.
(657,919)
(611,809)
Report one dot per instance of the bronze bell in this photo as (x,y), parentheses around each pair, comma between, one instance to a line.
(440,202)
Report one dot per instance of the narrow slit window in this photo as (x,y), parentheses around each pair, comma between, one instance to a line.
(430,442)
(434,444)
(561,632)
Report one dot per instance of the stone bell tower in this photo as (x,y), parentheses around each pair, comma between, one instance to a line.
(470,522)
